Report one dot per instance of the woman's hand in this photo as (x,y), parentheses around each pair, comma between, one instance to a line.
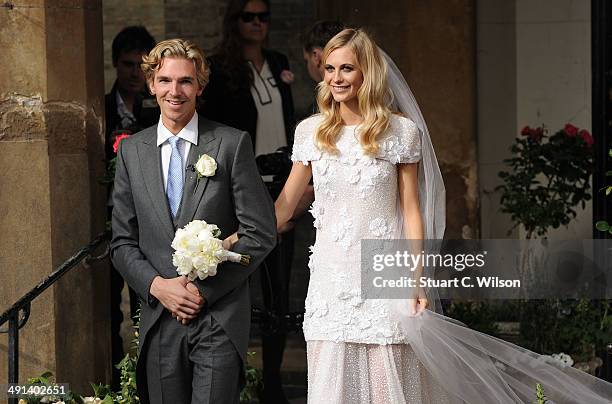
(229,242)
(417,306)
(285,227)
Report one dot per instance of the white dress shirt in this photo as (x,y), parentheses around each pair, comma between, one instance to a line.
(189,134)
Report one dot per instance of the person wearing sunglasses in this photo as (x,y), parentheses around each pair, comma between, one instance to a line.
(249,85)
(249,89)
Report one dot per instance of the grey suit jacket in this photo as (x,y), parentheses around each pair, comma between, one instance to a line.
(234,198)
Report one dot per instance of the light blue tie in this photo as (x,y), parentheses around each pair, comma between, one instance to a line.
(174,188)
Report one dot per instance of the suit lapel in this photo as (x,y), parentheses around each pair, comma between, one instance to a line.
(150,163)
(193,189)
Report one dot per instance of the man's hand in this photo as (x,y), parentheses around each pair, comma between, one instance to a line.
(417,306)
(179,296)
(193,289)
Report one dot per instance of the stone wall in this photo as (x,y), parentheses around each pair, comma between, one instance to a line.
(51,157)
(534,68)
(197,20)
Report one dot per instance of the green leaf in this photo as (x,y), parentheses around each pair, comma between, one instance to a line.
(602,225)
(47,375)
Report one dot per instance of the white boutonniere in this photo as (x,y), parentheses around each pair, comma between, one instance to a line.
(206,166)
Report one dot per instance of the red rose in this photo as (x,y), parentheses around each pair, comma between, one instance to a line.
(586,136)
(570,130)
(536,134)
(287,76)
(118,140)
(526,131)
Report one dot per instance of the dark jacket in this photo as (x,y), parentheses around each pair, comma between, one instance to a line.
(237,108)
(145,116)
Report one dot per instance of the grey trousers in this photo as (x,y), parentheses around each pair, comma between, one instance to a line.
(195,363)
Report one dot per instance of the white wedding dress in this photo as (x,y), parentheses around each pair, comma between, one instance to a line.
(363,351)
(357,352)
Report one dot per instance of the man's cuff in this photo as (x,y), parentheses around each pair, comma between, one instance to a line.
(198,284)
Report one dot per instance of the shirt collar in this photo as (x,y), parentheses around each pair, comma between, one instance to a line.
(122,109)
(188,133)
(118,98)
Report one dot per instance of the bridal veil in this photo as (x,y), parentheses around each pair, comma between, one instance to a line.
(471,366)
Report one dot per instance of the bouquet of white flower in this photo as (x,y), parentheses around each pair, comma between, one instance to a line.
(198,251)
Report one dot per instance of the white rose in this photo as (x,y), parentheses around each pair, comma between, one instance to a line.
(195,226)
(206,166)
(209,232)
(183,262)
(180,240)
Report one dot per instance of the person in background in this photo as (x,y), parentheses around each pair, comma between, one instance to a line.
(247,77)
(128,109)
(313,43)
(249,89)
(128,105)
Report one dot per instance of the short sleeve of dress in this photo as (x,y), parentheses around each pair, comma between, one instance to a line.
(304,148)
(402,144)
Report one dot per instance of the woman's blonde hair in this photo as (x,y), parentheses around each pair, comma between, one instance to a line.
(374,96)
(176,48)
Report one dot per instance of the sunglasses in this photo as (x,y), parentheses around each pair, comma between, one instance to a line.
(246,16)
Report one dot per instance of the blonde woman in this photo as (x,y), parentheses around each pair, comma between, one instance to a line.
(364,158)
(364,161)
(376,176)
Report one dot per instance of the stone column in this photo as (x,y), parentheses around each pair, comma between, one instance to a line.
(434,44)
(51,157)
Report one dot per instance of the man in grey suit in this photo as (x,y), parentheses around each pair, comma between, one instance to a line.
(193,336)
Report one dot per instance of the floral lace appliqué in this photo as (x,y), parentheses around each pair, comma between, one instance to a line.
(311,259)
(323,173)
(317,210)
(380,228)
(341,230)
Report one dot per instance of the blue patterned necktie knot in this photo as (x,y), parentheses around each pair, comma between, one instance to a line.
(174,188)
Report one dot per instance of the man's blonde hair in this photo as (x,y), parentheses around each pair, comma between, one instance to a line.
(176,48)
